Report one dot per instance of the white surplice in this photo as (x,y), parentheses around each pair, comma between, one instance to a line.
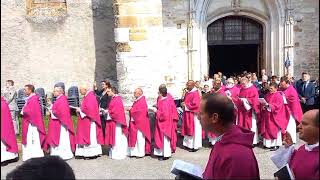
(292,129)
(166,151)
(93,149)
(6,155)
(120,149)
(33,147)
(195,141)
(254,128)
(64,148)
(139,149)
(273,142)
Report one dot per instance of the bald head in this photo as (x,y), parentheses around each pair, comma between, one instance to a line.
(190,85)
(314,115)
(309,127)
(84,88)
(137,93)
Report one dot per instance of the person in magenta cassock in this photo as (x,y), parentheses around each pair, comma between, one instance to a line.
(191,128)
(232,156)
(61,135)
(33,131)
(89,136)
(163,126)
(303,161)
(9,146)
(294,110)
(139,137)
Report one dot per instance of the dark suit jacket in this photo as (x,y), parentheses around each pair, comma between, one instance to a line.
(309,93)
(103,100)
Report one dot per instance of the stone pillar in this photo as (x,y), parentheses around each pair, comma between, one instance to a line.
(138,32)
(288,46)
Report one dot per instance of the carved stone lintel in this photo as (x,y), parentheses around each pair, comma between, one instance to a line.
(235,5)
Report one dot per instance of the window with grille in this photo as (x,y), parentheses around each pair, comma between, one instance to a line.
(234,30)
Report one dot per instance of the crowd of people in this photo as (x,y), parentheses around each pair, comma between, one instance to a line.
(235,114)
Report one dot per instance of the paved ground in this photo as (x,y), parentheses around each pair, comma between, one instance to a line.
(148,167)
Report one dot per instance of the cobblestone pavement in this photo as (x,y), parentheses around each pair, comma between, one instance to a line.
(148,167)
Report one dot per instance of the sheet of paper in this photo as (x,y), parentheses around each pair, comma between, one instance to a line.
(179,165)
(246,104)
(281,156)
(73,107)
(262,101)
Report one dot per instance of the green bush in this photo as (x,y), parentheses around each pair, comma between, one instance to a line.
(46,124)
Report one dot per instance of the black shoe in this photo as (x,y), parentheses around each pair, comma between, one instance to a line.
(274,148)
(4,163)
(79,157)
(163,158)
(193,150)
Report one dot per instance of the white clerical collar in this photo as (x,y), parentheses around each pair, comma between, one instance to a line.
(219,138)
(31,95)
(59,96)
(87,92)
(193,90)
(248,85)
(138,98)
(163,98)
(229,86)
(115,95)
(311,146)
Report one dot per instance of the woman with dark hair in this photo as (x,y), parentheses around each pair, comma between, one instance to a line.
(103,100)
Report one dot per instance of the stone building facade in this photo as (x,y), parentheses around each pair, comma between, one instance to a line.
(144,42)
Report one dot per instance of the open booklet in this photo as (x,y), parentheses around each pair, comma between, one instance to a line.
(284,173)
(262,101)
(189,170)
(73,107)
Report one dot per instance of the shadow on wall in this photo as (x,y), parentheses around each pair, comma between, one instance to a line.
(105,51)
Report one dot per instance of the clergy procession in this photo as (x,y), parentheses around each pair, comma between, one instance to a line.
(234,115)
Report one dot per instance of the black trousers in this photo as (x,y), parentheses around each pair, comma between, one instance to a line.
(103,125)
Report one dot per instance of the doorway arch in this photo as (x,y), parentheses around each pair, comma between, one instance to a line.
(235,44)
(269,14)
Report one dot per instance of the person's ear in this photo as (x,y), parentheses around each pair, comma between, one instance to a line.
(214,118)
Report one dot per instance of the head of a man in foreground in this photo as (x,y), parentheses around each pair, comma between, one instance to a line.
(49,167)
(217,113)
(309,127)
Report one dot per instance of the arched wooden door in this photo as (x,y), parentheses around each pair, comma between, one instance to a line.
(235,31)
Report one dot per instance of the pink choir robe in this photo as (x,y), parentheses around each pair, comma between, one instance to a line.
(232,157)
(139,114)
(117,115)
(61,110)
(164,120)
(89,106)
(32,114)
(244,116)
(294,106)
(220,91)
(175,117)
(192,102)
(272,122)
(234,90)
(8,136)
(305,164)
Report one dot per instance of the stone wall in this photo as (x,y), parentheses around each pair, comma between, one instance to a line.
(130,42)
(151,46)
(75,48)
(306,37)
